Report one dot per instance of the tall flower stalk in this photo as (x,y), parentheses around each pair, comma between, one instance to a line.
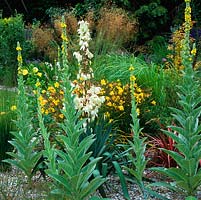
(137,146)
(25,140)
(88,97)
(71,168)
(187,177)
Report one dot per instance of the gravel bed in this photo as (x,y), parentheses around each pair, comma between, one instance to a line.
(13,186)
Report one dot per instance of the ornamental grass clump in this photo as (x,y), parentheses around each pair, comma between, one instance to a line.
(25,156)
(71,168)
(187,176)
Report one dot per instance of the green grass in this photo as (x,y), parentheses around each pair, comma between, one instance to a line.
(150,76)
(7,100)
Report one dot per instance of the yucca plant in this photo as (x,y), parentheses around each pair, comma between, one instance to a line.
(24,139)
(187,176)
(72,167)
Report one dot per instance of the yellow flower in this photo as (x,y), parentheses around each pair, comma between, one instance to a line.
(37,84)
(153,102)
(24,72)
(138,111)
(121,108)
(18,48)
(43,102)
(107,98)
(103,82)
(61,116)
(19,58)
(109,104)
(131,68)
(51,89)
(139,90)
(111,120)
(63,37)
(111,93)
(46,112)
(43,91)
(34,91)
(35,70)
(132,78)
(61,92)
(56,102)
(120,90)
(42,110)
(39,74)
(56,85)
(13,108)
(107,115)
(51,110)
(194,51)
(63,25)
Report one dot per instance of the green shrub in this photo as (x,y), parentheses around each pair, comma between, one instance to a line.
(11,30)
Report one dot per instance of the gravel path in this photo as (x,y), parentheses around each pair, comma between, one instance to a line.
(13,186)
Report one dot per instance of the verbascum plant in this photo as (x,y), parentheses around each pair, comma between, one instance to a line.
(137,146)
(71,169)
(187,176)
(25,156)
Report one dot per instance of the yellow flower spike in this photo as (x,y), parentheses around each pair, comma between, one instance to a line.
(13,108)
(24,72)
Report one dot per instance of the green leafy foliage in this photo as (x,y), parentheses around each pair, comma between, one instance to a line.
(187,125)
(24,139)
(151,16)
(7,100)
(11,30)
(72,167)
(137,146)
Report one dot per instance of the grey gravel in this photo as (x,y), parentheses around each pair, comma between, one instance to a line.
(13,186)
